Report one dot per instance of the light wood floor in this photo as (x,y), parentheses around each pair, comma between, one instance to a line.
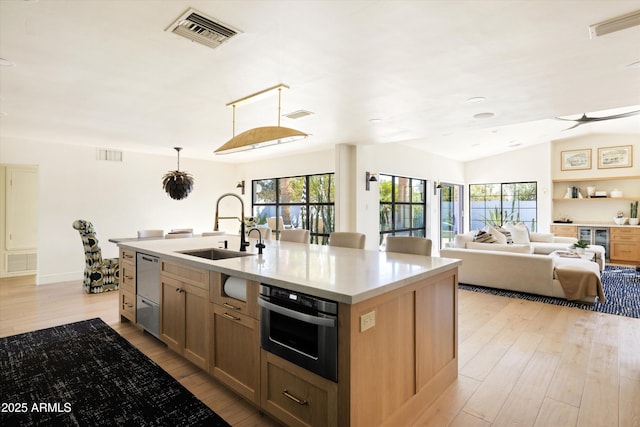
(522,363)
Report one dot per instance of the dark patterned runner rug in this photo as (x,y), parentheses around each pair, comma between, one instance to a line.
(86,374)
(621,287)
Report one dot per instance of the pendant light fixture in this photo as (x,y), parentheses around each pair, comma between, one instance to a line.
(177,184)
(260,136)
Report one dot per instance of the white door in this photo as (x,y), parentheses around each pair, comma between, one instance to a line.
(21,208)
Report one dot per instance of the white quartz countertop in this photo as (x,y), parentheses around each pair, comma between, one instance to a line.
(596,224)
(339,274)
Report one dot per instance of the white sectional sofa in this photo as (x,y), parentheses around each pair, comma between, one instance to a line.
(522,267)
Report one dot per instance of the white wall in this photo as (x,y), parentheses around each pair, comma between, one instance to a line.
(117,197)
(527,164)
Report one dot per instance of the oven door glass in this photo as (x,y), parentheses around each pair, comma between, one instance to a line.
(295,334)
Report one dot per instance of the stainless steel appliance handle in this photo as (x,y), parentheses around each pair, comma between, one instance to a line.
(320,321)
(149,259)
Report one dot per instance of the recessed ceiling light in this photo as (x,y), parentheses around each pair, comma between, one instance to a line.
(6,63)
(476,100)
(375,120)
(514,144)
(483,115)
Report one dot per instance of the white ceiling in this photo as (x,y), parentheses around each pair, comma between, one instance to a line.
(106,74)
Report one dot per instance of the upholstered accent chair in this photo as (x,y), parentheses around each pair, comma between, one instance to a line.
(100,275)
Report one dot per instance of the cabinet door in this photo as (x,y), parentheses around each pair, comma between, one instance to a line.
(235,351)
(196,332)
(172,313)
(21,208)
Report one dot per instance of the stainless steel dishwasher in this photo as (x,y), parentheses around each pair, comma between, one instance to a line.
(148,293)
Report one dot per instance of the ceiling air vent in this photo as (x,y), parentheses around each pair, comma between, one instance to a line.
(200,28)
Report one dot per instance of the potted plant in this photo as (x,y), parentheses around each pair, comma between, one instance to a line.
(633,220)
(580,246)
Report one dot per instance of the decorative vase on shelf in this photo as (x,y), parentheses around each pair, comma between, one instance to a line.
(634,221)
(569,194)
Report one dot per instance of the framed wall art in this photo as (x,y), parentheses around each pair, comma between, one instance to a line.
(575,159)
(615,157)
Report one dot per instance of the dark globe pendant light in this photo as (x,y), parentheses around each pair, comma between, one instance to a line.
(177,184)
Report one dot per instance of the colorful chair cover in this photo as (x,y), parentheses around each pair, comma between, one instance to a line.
(100,275)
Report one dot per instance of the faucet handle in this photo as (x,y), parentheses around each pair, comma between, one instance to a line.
(226,244)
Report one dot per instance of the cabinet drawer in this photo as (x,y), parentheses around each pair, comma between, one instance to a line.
(128,276)
(565,230)
(192,275)
(218,295)
(128,255)
(619,232)
(128,305)
(296,396)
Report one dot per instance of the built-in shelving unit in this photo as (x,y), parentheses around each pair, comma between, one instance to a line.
(595,209)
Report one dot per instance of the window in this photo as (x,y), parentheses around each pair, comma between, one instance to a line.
(402,206)
(297,202)
(497,204)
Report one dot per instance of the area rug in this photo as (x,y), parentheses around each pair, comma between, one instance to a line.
(621,287)
(86,374)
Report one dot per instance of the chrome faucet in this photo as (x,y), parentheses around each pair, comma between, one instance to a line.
(243,242)
(260,245)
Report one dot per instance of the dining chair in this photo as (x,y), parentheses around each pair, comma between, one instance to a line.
(100,275)
(409,245)
(150,233)
(178,235)
(347,239)
(265,232)
(298,235)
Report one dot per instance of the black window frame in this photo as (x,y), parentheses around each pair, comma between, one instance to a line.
(420,231)
(308,206)
(507,212)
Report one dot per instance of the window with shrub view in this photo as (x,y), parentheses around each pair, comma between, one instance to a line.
(297,202)
(497,204)
(402,206)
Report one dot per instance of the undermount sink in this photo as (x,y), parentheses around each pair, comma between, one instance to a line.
(214,253)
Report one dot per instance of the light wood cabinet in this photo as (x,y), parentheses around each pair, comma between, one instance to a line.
(296,396)
(127,287)
(184,311)
(235,351)
(235,342)
(565,230)
(624,244)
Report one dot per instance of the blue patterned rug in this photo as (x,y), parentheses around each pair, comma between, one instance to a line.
(86,374)
(621,287)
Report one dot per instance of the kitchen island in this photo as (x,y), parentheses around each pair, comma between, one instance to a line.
(396,326)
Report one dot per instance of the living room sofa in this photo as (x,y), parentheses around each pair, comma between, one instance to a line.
(522,267)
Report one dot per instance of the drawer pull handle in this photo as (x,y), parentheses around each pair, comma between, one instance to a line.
(295,399)
(128,277)
(230,317)
(128,256)
(232,307)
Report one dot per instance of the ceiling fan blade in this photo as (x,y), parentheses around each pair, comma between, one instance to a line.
(584,119)
(581,119)
(574,126)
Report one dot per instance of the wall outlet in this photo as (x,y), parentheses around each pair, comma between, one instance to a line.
(367,321)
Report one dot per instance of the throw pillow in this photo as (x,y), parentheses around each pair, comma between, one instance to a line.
(506,233)
(500,238)
(519,232)
(484,237)
(460,240)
